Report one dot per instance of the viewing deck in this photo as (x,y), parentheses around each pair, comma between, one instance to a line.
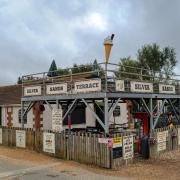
(99,83)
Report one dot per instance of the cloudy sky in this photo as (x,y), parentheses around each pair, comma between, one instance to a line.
(33,32)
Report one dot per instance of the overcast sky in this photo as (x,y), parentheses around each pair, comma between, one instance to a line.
(33,32)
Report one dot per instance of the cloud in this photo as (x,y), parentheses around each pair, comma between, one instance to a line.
(32,33)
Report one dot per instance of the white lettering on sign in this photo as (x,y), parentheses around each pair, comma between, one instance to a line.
(20,138)
(141,87)
(48,142)
(57,125)
(88,86)
(119,85)
(168,89)
(161,140)
(128,150)
(56,88)
(32,91)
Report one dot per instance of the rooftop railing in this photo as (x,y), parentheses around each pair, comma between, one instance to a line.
(108,74)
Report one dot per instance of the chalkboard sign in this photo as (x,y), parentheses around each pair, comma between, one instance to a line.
(117,152)
(116,111)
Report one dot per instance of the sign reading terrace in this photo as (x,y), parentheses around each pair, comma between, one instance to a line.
(32,91)
(141,87)
(88,86)
(56,88)
(167,89)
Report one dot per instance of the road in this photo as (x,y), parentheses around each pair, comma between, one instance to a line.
(18,164)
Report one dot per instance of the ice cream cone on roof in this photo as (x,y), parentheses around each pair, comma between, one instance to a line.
(108,43)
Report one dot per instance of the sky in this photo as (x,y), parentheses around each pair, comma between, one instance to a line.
(34,32)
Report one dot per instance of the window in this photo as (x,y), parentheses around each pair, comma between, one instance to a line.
(78,115)
(25,117)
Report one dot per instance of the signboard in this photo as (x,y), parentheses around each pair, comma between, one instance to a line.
(0,135)
(117,111)
(161,146)
(20,138)
(120,85)
(32,91)
(161,136)
(117,152)
(128,151)
(56,88)
(167,89)
(110,142)
(107,141)
(141,87)
(48,142)
(88,86)
(57,124)
(161,140)
(103,140)
(117,147)
(179,136)
(117,142)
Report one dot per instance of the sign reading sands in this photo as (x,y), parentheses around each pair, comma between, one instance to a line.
(141,87)
(168,89)
(56,89)
(88,86)
(32,91)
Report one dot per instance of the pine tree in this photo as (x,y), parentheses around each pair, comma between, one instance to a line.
(53,69)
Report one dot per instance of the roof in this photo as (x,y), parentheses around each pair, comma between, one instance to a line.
(10,94)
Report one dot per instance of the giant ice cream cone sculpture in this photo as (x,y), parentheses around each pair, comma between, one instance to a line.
(108,43)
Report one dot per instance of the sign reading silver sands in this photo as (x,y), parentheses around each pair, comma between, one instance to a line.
(141,87)
(88,86)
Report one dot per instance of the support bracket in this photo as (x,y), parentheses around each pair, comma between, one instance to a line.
(94,114)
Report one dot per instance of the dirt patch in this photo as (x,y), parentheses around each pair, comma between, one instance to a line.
(26,155)
(166,167)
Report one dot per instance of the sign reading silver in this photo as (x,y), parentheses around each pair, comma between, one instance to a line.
(141,87)
(32,91)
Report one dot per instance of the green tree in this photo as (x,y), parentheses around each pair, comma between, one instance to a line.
(62,72)
(53,69)
(155,59)
(88,68)
(19,81)
(169,57)
(128,68)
